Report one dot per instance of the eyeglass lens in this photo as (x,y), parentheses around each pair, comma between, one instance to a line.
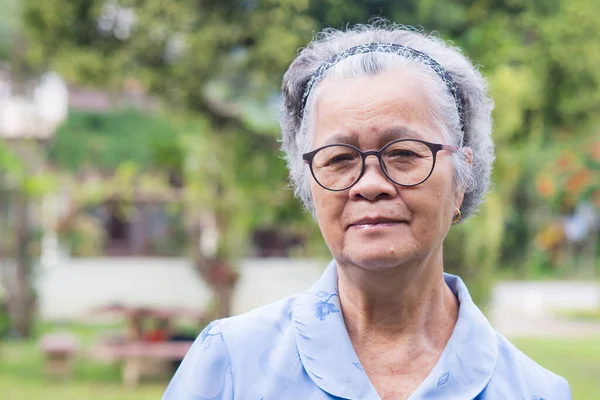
(405,162)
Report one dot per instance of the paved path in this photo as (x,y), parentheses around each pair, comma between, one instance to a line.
(534,309)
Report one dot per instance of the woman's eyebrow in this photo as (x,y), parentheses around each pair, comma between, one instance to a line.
(388,135)
(342,138)
(398,132)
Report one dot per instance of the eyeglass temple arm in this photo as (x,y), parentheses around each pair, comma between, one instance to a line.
(450,147)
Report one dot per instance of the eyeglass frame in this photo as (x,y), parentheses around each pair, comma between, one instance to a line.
(434,147)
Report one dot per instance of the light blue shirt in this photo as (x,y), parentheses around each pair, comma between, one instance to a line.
(298,349)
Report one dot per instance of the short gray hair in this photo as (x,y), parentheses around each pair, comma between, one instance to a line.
(477,105)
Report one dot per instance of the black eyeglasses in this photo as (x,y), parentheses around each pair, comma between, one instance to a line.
(406,162)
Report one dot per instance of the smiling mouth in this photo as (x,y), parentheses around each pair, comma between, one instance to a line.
(375,223)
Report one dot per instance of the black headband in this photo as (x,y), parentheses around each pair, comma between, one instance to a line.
(393,48)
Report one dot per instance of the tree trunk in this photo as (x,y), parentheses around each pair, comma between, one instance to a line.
(221,279)
(217,274)
(22,299)
(223,294)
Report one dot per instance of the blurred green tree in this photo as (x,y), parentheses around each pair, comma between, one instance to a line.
(198,57)
(222,63)
(23,182)
(10,21)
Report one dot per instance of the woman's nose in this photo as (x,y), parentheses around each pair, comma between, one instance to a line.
(373,184)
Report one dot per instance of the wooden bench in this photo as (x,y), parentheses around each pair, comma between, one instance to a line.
(59,350)
(142,359)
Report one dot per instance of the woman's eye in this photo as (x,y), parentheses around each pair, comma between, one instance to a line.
(340,159)
(403,153)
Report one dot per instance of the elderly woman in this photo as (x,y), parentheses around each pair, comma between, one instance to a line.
(387,133)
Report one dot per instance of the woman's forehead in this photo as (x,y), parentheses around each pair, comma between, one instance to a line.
(384,108)
(381,136)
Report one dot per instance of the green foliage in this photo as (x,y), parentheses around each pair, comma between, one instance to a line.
(11,167)
(84,237)
(571,175)
(19,169)
(104,141)
(472,250)
(9,25)
(545,88)
(220,65)
(241,178)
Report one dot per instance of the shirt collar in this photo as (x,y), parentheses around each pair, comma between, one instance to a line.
(465,366)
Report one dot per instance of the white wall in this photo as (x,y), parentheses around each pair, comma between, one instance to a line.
(74,287)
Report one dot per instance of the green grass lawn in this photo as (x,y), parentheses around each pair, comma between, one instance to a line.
(578,360)
(582,315)
(22,377)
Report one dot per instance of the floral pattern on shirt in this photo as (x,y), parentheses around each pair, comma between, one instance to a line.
(323,308)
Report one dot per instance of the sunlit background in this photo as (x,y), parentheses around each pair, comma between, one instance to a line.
(143,192)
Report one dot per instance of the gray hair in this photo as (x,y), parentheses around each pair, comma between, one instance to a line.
(477,105)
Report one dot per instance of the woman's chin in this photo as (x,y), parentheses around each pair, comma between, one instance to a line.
(379,255)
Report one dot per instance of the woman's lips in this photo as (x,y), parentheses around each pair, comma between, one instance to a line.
(375,226)
(374,222)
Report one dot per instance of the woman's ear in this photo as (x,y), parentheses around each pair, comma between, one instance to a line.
(467,153)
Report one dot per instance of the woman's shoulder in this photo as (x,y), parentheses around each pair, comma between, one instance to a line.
(264,324)
(514,369)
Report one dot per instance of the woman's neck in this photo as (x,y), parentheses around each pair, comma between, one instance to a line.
(409,303)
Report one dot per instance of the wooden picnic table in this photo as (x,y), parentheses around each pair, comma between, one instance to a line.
(141,356)
(141,359)
(59,350)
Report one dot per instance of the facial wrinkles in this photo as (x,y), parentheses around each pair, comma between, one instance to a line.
(370,115)
(366,118)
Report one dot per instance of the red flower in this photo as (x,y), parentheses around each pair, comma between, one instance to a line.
(566,161)
(596,152)
(545,186)
(576,182)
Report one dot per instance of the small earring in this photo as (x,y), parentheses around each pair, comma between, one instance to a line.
(457,217)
